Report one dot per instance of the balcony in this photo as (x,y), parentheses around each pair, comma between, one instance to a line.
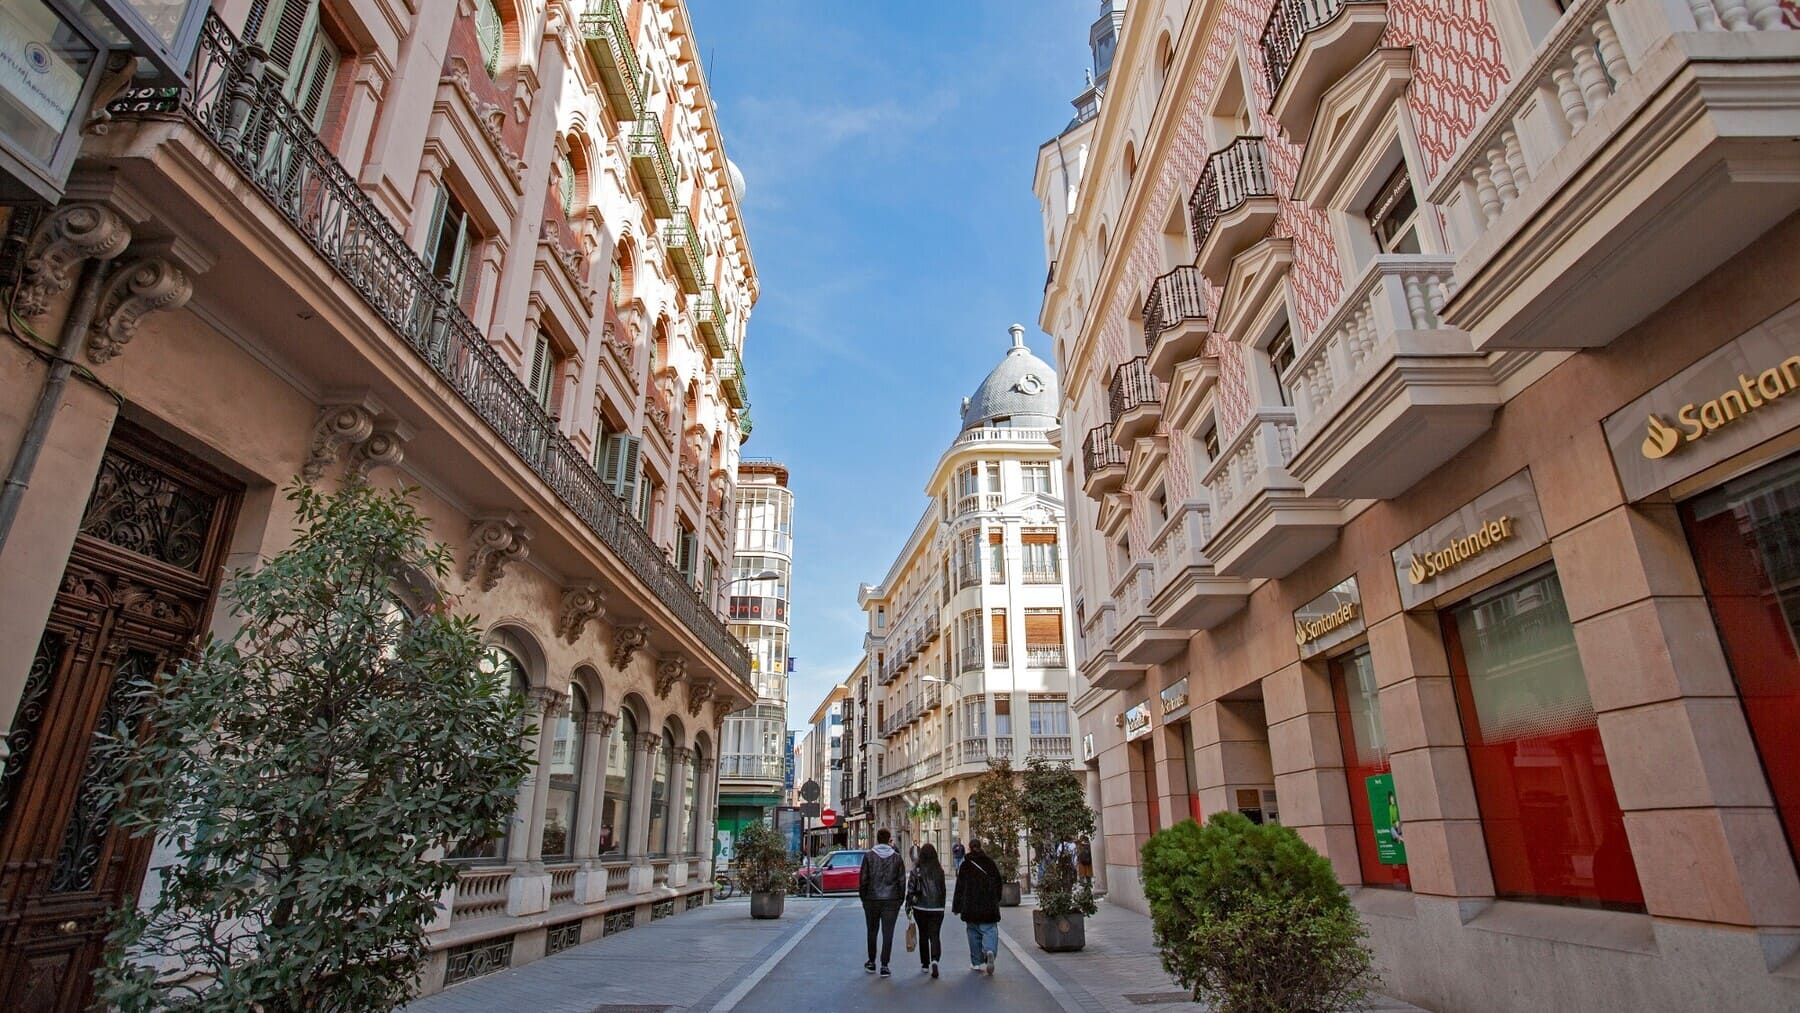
(971,658)
(1191,595)
(709,320)
(974,750)
(1000,656)
(1386,393)
(1100,665)
(1044,656)
(1102,463)
(284,161)
(968,575)
(608,41)
(683,244)
(1051,574)
(654,168)
(1264,524)
(752,767)
(1308,45)
(1140,639)
(1233,206)
(1052,747)
(1135,402)
(1645,145)
(1175,324)
(978,502)
(731,380)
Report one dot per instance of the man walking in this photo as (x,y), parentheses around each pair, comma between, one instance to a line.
(977,900)
(882,886)
(956,855)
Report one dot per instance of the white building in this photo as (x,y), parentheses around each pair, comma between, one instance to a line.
(753,743)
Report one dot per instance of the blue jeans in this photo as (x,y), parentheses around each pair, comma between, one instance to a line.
(983,937)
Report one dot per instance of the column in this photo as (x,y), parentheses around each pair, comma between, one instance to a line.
(1308,761)
(590,882)
(1231,751)
(1097,844)
(553,707)
(528,891)
(678,765)
(708,800)
(1171,778)
(637,839)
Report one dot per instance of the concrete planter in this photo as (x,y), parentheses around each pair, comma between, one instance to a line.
(767,905)
(1009,894)
(1059,935)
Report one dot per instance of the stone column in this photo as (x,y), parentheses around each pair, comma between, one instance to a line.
(552,706)
(637,832)
(708,799)
(1231,751)
(590,882)
(1308,761)
(1171,774)
(1097,844)
(528,891)
(679,760)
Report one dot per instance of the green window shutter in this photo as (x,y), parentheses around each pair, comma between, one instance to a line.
(283,30)
(310,89)
(542,365)
(488,32)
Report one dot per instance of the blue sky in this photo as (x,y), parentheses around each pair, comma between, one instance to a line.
(889,150)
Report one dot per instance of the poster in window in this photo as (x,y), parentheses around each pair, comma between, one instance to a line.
(1384,811)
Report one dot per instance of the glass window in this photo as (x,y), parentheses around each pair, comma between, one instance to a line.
(1746,538)
(1036,476)
(1552,821)
(1365,756)
(615,808)
(659,796)
(1049,717)
(503,662)
(448,243)
(1002,717)
(488,31)
(565,778)
(1394,214)
(690,829)
(1281,357)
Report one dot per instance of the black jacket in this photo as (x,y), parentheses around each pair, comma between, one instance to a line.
(883,876)
(925,888)
(977,890)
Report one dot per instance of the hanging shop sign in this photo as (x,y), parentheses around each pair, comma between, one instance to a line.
(1329,620)
(1174,698)
(1137,721)
(1384,813)
(1491,530)
(1087,746)
(1731,400)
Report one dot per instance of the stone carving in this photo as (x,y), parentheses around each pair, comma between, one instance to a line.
(493,543)
(627,641)
(700,690)
(669,672)
(138,288)
(647,743)
(548,702)
(598,723)
(681,756)
(338,425)
(71,234)
(581,604)
(489,117)
(386,446)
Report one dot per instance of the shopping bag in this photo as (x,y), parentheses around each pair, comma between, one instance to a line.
(912,936)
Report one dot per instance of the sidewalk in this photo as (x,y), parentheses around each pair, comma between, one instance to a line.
(1119,970)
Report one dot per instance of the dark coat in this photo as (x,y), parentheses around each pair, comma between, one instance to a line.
(925,888)
(977,890)
(883,876)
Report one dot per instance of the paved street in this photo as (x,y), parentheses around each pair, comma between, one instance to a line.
(719,959)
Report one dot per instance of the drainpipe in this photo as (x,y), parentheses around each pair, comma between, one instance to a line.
(62,363)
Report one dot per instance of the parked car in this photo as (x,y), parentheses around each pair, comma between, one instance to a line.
(840,872)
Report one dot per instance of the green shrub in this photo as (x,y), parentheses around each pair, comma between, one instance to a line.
(1055,810)
(1251,919)
(762,860)
(994,816)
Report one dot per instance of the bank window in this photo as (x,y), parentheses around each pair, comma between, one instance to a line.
(1369,772)
(1281,357)
(1394,214)
(1548,810)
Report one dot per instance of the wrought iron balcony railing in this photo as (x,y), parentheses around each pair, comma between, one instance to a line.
(731,380)
(1233,175)
(1132,387)
(1099,451)
(709,317)
(685,252)
(655,169)
(609,42)
(239,109)
(1286,29)
(1174,298)
(1044,656)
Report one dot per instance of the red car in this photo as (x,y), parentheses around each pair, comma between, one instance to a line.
(841,872)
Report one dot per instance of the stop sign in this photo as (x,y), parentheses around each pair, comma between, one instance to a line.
(828,817)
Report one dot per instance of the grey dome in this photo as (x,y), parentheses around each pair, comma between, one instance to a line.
(1022,388)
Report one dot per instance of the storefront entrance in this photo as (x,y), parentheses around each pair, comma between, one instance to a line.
(137,590)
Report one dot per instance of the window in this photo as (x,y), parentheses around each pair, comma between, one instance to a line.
(1003,717)
(616,281)
(997,623)
(996,559)
(687,550)
(565,183)
(1365,757)
(448,243)
(658,839)
(1049,717)
(646,501)
(1281,357)
(968,480)
(1044,637)
(300,55)
(1209,441)
(690,794)
(615,805)
(498,661)
(565,778)
(489,32)
(1551,818)
(1038,549)
(544,369)
(619,466)
(1035,476)
(1394,214)
(1159,505)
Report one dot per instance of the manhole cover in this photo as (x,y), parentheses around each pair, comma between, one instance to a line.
(1156,998)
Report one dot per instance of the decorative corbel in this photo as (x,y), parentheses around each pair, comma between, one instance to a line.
(700,690)
(139,287)
(581,604)
(72,233)
(627,641)
(493,543)
(669,672)
(387,446)
(338,425)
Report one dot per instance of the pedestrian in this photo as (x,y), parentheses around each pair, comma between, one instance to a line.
(882,887)
(925,902)
(977,900)
(956,855)
(1084,859)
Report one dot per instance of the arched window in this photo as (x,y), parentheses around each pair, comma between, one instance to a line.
(500,661)
(565,778)
(565,182)
(491,33)
(690,840)
(615,807)
(1130,162)
(659,797)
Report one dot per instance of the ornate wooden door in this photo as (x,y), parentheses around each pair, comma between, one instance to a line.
(138,589)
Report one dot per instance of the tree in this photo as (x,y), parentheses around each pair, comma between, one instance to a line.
(308,775)
(762,860)
(1054,807)
(1251,919)
(994,815)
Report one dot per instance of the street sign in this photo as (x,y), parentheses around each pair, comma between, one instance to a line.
(810,791)
(828,817)
(810,809)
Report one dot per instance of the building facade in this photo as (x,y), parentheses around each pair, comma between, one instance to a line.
(823,762)
(1425,373)
(968,632)
(754,763)
(487,250)
(860,749)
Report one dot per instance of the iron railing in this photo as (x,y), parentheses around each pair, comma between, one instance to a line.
(685,251)
(1174,298)
(1287,27)
(650,154)
(731,380)
(1133,387)
(709,315)
(1233,175)
(1043,656)
(605,28)
(1001,657)
(1050,574)
(1099,451)
(241,112)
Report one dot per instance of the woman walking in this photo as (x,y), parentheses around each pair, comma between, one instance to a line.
(925,902)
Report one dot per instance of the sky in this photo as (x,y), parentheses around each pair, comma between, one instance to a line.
(888,150)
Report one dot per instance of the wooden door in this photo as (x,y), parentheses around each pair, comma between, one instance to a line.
(138,590)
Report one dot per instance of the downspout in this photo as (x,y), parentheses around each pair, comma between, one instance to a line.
(62,364)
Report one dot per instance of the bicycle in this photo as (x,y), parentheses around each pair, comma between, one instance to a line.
(723,886)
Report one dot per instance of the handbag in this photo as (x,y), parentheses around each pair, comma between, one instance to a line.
(912,936)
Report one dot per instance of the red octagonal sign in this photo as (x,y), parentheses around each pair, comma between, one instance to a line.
(828,817)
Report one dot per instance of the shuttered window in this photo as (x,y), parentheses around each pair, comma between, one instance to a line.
(1043,627)
(619,467)
(488,31)
(300,55)
(448,242)
(543,369)
(997,623)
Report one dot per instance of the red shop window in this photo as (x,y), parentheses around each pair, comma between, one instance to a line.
(1548,810)
(1365,755)
(1746,538)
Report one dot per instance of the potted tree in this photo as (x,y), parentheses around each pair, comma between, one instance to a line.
(765,869)
(994,818)
(1054,807)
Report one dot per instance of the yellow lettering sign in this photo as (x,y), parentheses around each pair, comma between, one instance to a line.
(1431,564)
(1309,630)
(1701,419)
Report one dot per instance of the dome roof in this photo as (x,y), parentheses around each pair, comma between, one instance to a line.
(737,180)
(1022,388)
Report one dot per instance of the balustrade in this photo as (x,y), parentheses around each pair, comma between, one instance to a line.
(1102,462)
(1048,574)
(1175,299)
(562,883)
(1237,173)
(480,892)
(1052,747)
(1044,656)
